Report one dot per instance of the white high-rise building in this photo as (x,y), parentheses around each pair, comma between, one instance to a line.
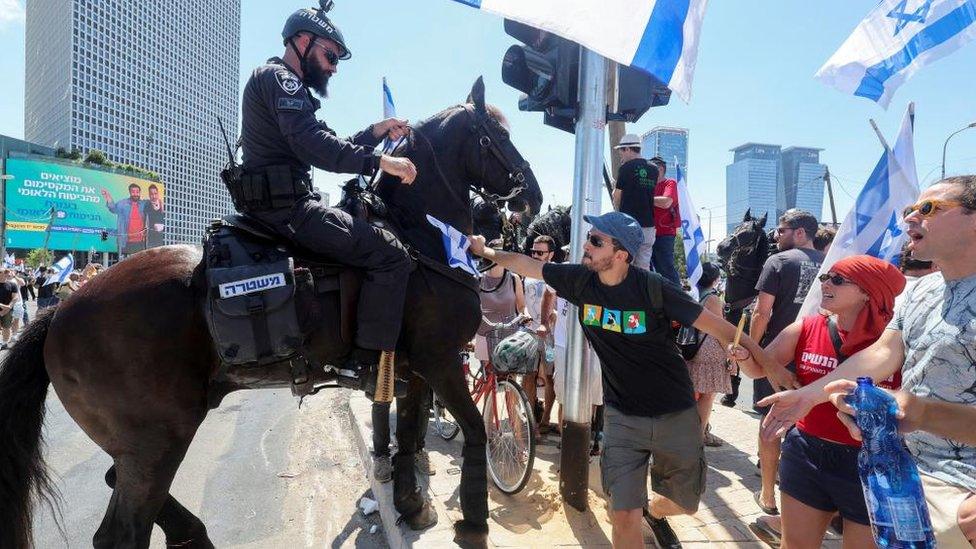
(144,82)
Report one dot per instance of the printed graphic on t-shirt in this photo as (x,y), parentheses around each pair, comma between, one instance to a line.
(642,177)
(591,315)
(611,320)
(634,322)
(808,273)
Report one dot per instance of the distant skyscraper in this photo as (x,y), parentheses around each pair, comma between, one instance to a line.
(769,179)
(751,182)
(668,143)
(802,180)
(143,82)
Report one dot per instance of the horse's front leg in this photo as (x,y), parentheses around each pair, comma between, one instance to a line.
(446,377)
(412,417)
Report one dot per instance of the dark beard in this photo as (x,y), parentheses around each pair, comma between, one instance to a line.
(317,79)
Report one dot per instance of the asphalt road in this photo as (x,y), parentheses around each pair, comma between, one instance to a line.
(260,473)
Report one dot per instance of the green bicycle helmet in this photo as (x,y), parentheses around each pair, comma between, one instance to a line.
(315,22)
(517,353)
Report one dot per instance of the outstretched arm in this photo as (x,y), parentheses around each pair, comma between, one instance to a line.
(515,262)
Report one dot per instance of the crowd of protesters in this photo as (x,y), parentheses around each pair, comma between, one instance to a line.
(44,285)
(912,329)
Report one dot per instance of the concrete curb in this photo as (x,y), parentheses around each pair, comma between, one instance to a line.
(397,536)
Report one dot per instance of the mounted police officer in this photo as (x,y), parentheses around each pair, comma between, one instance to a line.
(282,140)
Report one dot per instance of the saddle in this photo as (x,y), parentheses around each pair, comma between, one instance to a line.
(265,299)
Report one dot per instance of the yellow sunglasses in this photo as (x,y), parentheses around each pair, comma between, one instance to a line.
(927,208)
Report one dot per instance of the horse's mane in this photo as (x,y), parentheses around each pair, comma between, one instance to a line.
(493,111)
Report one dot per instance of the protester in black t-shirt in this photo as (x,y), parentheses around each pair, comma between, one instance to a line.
(634,194)
(783,285)
(9,292)
(626,315)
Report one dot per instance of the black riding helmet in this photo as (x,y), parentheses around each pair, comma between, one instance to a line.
(315,22)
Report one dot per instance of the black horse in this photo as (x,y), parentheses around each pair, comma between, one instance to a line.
(141,394)
(555,223)
(742,255)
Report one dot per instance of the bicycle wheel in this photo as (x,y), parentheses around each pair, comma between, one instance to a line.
(444,422)
(511,437)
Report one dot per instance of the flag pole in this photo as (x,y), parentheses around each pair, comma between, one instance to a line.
(587,179)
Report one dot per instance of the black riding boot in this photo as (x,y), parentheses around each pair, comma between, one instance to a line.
(360,370)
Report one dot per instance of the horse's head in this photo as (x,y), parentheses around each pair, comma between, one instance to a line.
(492,160)
(746,247)
(487,221)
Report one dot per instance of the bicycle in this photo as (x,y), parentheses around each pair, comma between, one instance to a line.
(507,414)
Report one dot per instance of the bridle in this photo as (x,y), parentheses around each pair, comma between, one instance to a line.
(739,250)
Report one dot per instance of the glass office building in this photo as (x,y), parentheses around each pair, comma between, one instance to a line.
(669,144)
(803,180)
(145,83)
(751,183)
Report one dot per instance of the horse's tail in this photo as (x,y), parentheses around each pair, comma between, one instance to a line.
(23,474)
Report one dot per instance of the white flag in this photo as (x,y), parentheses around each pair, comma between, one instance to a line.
(455,247)
(659,37)
(691,234)
(875,226)
(896,39)
(9,260)
(62,268)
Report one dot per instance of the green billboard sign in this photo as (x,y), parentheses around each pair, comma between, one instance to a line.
(76,208)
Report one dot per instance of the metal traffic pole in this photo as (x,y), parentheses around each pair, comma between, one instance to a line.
(587,180)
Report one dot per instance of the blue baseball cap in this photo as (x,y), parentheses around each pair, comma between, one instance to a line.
(622,227)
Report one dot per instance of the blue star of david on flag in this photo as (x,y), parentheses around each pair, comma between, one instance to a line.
(904,18)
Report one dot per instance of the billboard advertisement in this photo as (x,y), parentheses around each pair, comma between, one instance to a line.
(76,208)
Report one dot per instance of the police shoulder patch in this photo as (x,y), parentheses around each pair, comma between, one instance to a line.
(288,81)
(290,104)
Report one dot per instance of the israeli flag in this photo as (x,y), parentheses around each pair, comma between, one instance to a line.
(691,233)
(657,36)
(896,39)
(62,268)
(455,246)
(389,111)
(9,260)
(875,226)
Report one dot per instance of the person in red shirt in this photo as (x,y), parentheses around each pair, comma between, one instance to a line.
(818,468)
(667,220)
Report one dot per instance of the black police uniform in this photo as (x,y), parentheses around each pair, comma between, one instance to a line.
(281,140)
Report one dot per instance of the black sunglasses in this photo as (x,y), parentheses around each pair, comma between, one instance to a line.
(540,252)
(595,240)
(330,56)
(834,279)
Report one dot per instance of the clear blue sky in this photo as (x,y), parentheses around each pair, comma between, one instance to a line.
(754,82)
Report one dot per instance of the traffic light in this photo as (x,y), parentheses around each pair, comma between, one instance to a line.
(546,71)
(637,92)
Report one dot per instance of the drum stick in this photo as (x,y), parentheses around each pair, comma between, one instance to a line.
(738,330)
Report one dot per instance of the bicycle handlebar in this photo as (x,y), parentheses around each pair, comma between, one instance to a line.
(517,321)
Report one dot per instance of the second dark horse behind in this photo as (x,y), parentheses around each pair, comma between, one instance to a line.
(131,358)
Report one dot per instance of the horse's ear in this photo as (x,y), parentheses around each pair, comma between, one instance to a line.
(748,216)
(762,220)
(477,95)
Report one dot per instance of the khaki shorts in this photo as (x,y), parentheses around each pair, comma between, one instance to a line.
(943,500)
(7,319)
(673,440)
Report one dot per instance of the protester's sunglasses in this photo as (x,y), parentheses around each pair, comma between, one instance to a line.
(927,208)
(781,230)
(834,279)
(595,240)
(540,253)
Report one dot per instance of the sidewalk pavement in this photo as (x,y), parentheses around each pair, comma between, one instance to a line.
(537,517)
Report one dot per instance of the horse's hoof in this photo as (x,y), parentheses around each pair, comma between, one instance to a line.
(422,519)
(470,536)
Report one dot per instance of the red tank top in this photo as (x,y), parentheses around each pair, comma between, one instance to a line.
(815,357)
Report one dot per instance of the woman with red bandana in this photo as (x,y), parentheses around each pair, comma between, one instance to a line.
(818,467)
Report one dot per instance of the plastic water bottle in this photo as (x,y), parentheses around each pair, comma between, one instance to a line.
(892,487)
(550,353)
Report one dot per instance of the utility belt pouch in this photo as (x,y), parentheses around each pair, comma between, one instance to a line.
(252,314)
(283,188)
